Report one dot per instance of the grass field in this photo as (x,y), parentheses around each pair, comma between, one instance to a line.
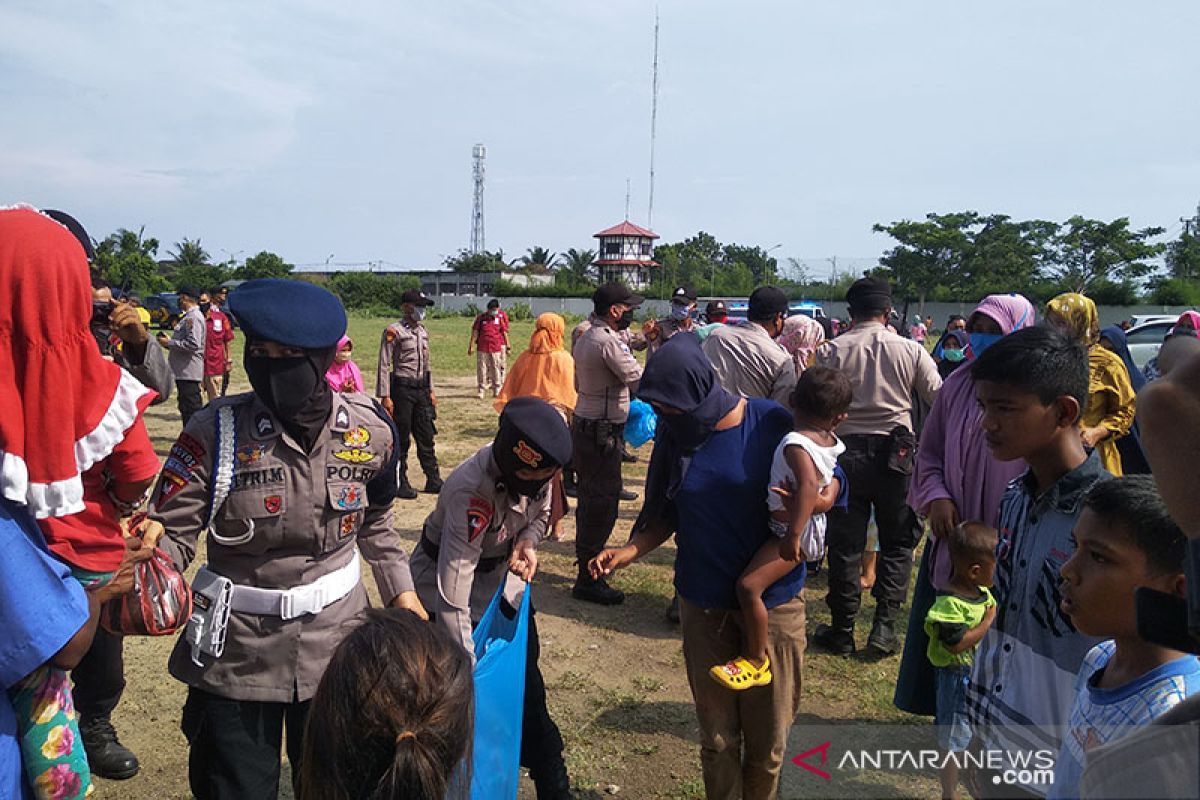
(615,675)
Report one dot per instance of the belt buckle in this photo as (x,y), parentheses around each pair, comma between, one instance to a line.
(295,604)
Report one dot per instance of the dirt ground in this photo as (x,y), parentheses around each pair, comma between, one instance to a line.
(616,681)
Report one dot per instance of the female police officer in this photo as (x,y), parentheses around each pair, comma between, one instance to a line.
(492,511)
(291,482)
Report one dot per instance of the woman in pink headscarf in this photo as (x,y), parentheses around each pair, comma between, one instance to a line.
(801,336)
(954,479)
(343,374)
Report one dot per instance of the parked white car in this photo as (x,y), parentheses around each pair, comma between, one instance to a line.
(1146,339)
(1142,319)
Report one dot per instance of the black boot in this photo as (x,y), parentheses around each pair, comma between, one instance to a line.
(405,491)
(839,641)
(554,783)
(106,756)
(433,484)
(883,640)
(596,590)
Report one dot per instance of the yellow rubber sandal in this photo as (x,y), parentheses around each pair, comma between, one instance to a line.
(739,674)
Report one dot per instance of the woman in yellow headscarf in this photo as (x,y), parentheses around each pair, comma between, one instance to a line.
(1111,399)
(547,371)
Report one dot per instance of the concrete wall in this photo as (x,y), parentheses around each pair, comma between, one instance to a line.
(581,307)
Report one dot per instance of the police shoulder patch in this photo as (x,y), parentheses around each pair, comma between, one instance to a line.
(479,516)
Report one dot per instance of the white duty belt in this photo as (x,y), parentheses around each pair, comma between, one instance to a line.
(297,601)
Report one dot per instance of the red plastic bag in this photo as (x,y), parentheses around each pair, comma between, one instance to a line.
(160,602)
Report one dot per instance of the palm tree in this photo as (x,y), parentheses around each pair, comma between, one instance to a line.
(538,260)
(578,263)
(189,253)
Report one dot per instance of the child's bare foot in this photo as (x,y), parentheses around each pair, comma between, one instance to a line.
(867,579)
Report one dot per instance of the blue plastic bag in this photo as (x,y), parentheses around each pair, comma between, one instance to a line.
(640,426)
(501,645)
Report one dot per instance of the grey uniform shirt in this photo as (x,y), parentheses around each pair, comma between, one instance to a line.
(887,371)
(605,374)
(186,346)
(290,518)
(635,341)
(152,371)
(748,362)
(403,353)
(473,520)
(667,327)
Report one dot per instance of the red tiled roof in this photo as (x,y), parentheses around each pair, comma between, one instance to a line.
(627,228)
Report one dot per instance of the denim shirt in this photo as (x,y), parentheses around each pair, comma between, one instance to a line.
(1025,668)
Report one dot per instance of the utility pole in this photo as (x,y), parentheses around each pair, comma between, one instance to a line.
(653,122)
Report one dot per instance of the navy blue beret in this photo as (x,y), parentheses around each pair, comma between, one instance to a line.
(532,427)
(292,313)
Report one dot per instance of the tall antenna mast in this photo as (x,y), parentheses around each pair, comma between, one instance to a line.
(653,122)
(478,153)
(627,198)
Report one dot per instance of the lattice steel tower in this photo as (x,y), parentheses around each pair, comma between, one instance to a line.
(478,153)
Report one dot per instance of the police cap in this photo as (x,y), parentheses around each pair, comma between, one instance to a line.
(292,313)
(609,294)
(532,436)
(869,295)
(416,297)
(684,294)
(766,302)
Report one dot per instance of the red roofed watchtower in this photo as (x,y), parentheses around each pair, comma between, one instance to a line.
(626,255)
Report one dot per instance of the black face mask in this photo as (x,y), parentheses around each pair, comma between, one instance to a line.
(523,487)
(295,390)
(686,431)
(625,320)
(204,307)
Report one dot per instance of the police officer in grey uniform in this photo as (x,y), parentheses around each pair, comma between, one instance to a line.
(605,372)
(291,482)
(491,514)
(404,385)
(683,305)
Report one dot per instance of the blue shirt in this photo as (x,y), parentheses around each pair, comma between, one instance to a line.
(40,610)
(1023,682)
(1100,716)
(721,515)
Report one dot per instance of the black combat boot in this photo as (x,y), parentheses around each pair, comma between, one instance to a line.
(106,756)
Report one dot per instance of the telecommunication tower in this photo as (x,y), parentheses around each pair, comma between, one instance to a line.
(478,153)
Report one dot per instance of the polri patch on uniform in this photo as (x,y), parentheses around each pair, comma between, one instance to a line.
(347,526)
(527,454)
(350,498)
(263,424)
(389,335)
(169,485)
(342,420)
(354,456)
(273,503)
(479,515)
(250,453)
(190,445)
(356,441)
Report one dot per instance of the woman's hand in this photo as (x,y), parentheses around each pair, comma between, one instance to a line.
(1093,436)
(136,551)
(610,560)
(523,561)
(943,517)
(410,602)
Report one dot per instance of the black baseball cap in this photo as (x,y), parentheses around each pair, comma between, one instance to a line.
(609,294)
(869,294)
(766,302)
(416,297)
(493,303)
(716,308)
(684,294)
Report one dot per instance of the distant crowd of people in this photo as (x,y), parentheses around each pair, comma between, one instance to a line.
(1049,611)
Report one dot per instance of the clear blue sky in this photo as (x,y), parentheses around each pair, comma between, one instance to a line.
(317,129)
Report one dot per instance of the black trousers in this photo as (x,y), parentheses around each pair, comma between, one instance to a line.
(188,394)
(414,414)
(873,487)
(100,676)
(224,383)
(234,745)
(597,463)
(541,742)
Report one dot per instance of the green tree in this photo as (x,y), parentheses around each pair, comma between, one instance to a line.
(929,253)
(1183,256)
(466,261)
(189,253)
(1087,251)
(762,266)
(538,261)
(264,265)
(1004,256)
(370,290)
(126,259)
(578,264)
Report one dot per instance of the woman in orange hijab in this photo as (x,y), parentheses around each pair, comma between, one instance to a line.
(546,371)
